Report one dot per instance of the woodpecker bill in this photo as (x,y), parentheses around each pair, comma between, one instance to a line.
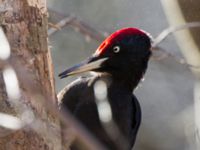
(120,61)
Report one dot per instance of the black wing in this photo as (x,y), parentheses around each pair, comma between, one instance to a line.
(69,97)
(136,119)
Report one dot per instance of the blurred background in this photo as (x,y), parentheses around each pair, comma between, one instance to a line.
(166,95)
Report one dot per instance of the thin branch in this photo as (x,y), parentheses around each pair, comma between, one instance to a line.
(79,25)
(87,30)
(165,33)
(166,54)
(64,22)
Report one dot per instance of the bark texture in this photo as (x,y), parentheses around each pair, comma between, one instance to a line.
(25,25)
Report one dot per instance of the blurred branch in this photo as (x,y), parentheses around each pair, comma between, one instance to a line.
(79,26)
(105,115)
(64,22)
(165,33)
(164,54)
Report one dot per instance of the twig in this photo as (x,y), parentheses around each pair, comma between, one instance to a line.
(166,54)
(165,33)
(55,27)
(86,29)
(79,25)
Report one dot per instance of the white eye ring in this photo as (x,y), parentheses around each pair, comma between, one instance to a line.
(116,49)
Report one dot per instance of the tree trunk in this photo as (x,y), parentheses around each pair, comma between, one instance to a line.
(25,24)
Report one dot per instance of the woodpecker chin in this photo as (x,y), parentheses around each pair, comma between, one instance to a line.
(90,64)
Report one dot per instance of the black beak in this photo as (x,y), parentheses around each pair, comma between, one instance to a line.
(91,64)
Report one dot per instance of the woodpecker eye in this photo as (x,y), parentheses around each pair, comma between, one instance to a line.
(116,49)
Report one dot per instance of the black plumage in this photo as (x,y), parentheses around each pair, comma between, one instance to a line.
(120,61)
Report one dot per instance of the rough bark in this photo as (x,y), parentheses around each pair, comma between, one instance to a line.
(25,25)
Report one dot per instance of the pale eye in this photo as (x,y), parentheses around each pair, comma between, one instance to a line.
(116,49)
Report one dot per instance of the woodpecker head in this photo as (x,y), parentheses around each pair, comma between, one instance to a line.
(124,52)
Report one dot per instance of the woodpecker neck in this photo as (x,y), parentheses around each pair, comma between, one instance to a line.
(131,76)
(124,80)
(129,81)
